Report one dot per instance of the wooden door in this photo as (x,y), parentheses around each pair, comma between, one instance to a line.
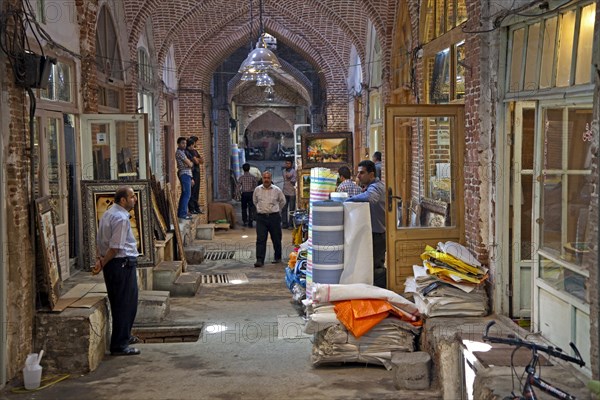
(424,147)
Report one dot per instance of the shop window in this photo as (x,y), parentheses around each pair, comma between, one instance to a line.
(375,122)
(108,53)
(145,72)
(547,64)
(566,196)
(109,97)
(442,16)
(169,75)
(533,45)
(60,84)
(586,39)
(564,57)
(565,49)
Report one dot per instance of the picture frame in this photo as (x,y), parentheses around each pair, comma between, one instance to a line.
(51,260)
(327,150)
(178,237)
(304,184)
(98,197)
(160,220)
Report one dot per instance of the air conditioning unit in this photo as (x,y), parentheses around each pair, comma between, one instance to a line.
(32,70)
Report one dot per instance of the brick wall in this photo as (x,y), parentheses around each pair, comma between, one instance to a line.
(19,262)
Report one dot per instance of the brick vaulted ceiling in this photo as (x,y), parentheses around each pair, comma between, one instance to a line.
(206,32)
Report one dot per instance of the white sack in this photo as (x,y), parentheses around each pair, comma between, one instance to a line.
(326,293)
(358,244)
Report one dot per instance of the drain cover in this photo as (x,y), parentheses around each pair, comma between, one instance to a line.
(219,254)
(230,279)
(167,334)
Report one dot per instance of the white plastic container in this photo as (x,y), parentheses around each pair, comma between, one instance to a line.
(32,376)
(338,196)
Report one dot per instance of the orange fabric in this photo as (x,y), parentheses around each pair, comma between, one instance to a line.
(358,326)
(359,316)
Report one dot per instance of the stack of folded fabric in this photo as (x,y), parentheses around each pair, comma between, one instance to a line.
(360,323)
(450,282)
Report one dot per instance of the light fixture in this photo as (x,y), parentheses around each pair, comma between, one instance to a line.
(263,79)
(261,59)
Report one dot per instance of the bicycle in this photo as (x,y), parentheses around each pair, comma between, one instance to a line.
(533,379)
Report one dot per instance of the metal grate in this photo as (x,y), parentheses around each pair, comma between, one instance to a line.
(219,254)
(223,279)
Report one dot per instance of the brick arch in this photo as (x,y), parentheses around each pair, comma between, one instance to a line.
(206,60)
(333,77)
(291,84)
(263,112)
(175,17)
(284,93)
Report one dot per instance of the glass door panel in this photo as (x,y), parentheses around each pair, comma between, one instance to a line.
(114,147)
(424,183)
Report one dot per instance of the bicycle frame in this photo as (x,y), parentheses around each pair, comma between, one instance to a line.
(534,380)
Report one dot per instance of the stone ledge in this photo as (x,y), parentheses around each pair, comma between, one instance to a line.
(75,340)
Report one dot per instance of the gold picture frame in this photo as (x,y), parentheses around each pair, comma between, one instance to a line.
(304,184)
(98,196)
(327,150)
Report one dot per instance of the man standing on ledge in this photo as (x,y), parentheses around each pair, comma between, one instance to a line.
(374,194)
(269,200)
(117,259)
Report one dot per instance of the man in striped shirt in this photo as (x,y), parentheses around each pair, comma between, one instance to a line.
(247,183)
(347,185)
(269,201)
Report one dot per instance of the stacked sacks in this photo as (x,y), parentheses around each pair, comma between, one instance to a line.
(450,282)
(364,323)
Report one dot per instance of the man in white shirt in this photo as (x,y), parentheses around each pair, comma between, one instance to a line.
(269,201)
(117,259)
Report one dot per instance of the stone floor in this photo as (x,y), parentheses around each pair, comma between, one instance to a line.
(252,348)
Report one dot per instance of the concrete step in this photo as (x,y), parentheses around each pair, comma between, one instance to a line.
(186,284)
(205,231)
(194,254)
(165,273)
(153,306)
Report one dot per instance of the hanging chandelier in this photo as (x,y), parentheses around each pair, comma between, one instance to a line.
(261,59)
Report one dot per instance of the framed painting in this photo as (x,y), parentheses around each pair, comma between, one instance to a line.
(162,224)
(98,197)
(327,150)
(304,186)
(47,234)
(178,236)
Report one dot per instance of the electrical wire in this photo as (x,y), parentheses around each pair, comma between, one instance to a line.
(44,383)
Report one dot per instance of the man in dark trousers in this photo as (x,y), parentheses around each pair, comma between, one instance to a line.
(289,191)
(184,172)
(269,200)
(196,158)
(247,183)
(117,259)
(374,194)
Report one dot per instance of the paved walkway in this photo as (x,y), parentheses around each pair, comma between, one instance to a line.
(252,348)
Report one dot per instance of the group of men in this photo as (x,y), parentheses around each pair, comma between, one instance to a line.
(117,248)
(269,206)
(188,170)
